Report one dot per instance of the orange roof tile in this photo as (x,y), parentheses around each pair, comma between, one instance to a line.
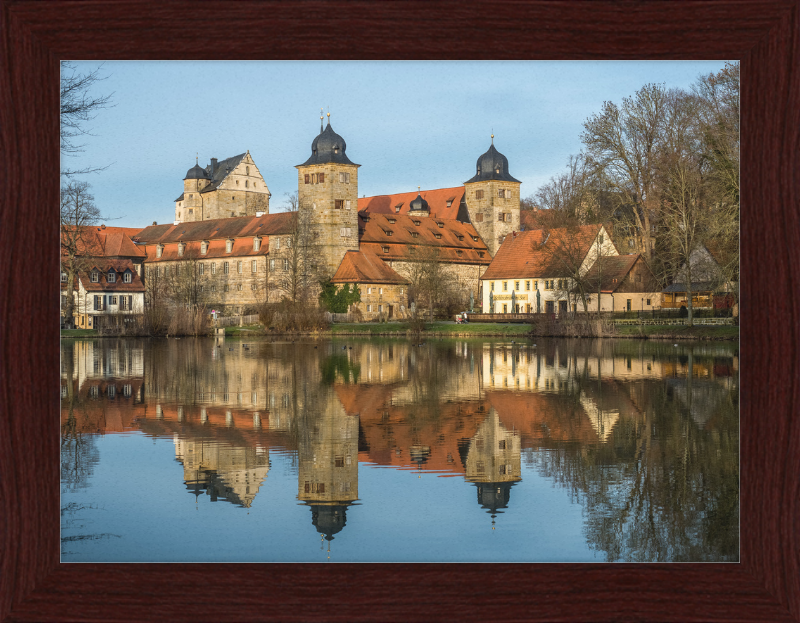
(535,253)
(242,247)
(611,272)
(240,226)
(105,265)
(365,267)
(437,201)
(456,242)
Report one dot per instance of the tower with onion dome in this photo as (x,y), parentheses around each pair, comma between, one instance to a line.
(327,191)
(493,200)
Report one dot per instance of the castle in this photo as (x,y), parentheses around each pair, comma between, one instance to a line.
(242,255)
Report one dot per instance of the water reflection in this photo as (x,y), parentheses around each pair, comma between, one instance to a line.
(644,436)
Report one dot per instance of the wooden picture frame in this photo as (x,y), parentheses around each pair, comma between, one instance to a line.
(764,35)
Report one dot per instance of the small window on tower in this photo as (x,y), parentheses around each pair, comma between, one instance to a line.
(339,204)
(321,178)
(307,178)
(478,194)
(347,205)
(478,218)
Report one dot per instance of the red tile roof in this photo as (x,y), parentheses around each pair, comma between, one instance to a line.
(365,267)
(104,265)
(610,272)
(437,201)
(242,247)
(535,253)
(240,226)
(105,242)
(458,242)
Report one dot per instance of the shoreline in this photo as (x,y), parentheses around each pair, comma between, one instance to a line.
(441,329)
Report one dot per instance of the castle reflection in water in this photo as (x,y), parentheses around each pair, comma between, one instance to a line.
(467,409)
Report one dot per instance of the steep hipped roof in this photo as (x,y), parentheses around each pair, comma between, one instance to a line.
(458,242)
(437,202)
(536,254)
(104,266)
(105,242)
(240,226)
(365,267)
(242,247)
(610,272)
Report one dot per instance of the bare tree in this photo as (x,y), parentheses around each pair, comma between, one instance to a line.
(79,105)
(302,265)
(570,196)
(78,216)
(624,144)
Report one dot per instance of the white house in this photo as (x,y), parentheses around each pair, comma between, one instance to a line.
(109,291)
(534,271)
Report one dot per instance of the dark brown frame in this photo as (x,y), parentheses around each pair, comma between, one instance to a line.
(36,34)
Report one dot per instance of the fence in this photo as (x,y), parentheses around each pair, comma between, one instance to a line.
(234,321)
(346,317)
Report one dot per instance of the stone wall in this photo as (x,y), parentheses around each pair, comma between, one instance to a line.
(464,278)
(336,229)
(377,299)
(484,213)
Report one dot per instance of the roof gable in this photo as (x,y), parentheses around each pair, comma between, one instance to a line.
(365,267)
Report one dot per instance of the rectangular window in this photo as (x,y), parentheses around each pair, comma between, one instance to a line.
(527,285)
(225,288)
(253,266)
(253,287)
(380,290)
(385,249)
(516,286)
(201,269)
(321,178)
(98,303)
(478,218)
(369,308)
(213,288)
(285,264)
(288,243)
(228,246)
(225,267)
(213,268)
(256,244)
(307,178)
(63,277)
(369,290)
(478,194)
(112,277)
(536,285)
(505,286)
(491,286)
(127,277)
(112,300)
(648,301)
(277,244)
(203,248)
(338,204)
(272,264)
(501,193)
(239,267)
(347,205)
(239,287)
(380,308)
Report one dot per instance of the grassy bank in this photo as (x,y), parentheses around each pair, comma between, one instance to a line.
(78,333)
(433,328)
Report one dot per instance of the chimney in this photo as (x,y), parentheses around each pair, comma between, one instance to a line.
(103,226)
(213,166)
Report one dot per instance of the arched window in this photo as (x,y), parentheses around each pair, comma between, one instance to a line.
(247,170)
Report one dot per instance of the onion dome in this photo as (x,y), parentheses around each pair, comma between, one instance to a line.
(328,147)
(328,520)
(197,173)
(492,166)
(419,204)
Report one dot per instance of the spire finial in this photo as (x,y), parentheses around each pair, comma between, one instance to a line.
(329,115)
(419,192)
(196,157)
(321,117)
(492,136)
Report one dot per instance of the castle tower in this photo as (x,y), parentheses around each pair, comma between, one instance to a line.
(493,199)
(327,188)
(189,206)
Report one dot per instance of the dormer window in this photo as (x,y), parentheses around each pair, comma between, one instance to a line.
(112,276)
(461,237)
(459,253)
(387,232)
(440,224)
(95,276)
(480,253)
(63,277)
(438,235)
(385,249)
(256,243)
(417,223)
(228,245)
(449,202)
(414,234)
(181,247)
(397,207)
(204,247)
(475,238)
(127,277)
(392,221)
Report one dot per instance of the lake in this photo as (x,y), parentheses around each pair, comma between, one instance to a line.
(393,450)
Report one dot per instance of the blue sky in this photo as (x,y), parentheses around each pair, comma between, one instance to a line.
(407,123)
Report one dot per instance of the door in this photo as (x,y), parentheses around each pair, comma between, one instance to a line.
(391,310)
(562,307)
(629,305)
(550,307)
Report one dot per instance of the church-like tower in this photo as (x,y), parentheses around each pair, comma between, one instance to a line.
(493,199)
(189,206)
(327,191)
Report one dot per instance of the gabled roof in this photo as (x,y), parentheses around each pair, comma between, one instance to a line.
(535,253)
(459,242)
(437,201)
(610,271)
(365,267)
(239,226)
(221,171)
